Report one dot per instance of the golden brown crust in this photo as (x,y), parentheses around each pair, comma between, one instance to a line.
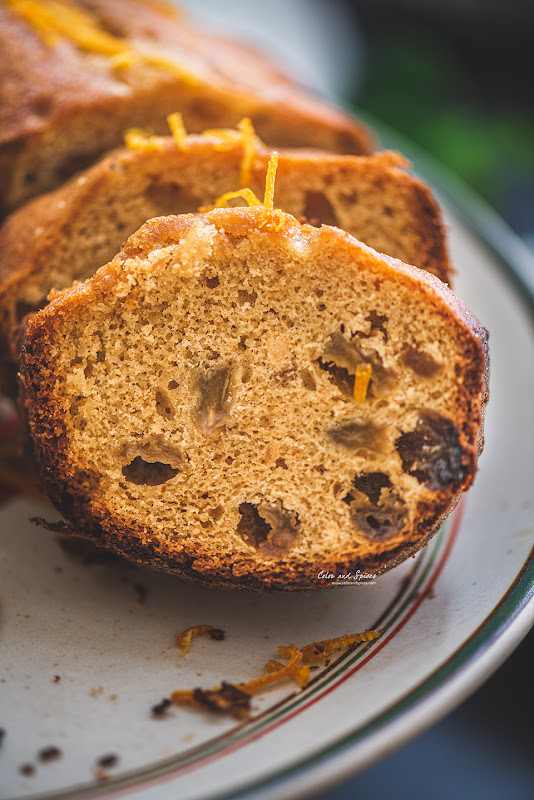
(62,107)
(80,489)
(66,235)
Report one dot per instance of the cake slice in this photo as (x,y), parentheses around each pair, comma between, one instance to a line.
(248,401)
(74,74)
(68,234)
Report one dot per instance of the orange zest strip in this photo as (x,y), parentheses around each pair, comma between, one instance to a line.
(56,19)
(183,697)
(273,219)
(268,198)
(184,639)
(287,671)
(247,195)
(318,650)
(137,139)
(363,375)
(179,134)
(248,141)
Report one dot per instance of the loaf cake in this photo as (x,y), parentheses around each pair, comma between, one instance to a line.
(66,235)
(74,74)
(249,401)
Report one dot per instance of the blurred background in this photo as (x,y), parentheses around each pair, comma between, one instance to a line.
(456,78)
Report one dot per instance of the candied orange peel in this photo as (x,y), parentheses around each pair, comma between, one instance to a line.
(230,697)
(138,139)
(177,128)
(54,20)
(315,651)
(185,638)
(364,372)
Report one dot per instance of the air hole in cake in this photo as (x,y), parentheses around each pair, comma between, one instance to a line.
(371,484)
(432,452)
(213,389)
(359,435)
(99,358)
(216,513)
(147,473)
(268,527)
(213,282)
(246,298)
(318,210)
(420,362)
(246,373)
(378,323)
(339,377)
(281,463)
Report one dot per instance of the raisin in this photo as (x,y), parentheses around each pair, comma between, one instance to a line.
(341,358)
(378,516)
(270,528)
(432,452)
(420,362)
(379,523)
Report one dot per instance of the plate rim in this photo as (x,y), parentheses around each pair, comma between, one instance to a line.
(492,641)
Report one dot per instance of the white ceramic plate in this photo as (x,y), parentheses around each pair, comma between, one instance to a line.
(449,618)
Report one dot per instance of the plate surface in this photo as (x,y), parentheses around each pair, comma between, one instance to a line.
(88,649)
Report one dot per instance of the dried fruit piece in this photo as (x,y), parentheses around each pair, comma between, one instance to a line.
(341,359)
(361,381)
(420,362)
(214,391)
(432,452)
(269,527)
(185,637)
(360,435)
(227,698)
(235,699)
(381,521)
(317,650)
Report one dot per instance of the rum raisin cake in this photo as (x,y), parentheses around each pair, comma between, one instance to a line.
(66,235)
(74,74)
(247,401)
